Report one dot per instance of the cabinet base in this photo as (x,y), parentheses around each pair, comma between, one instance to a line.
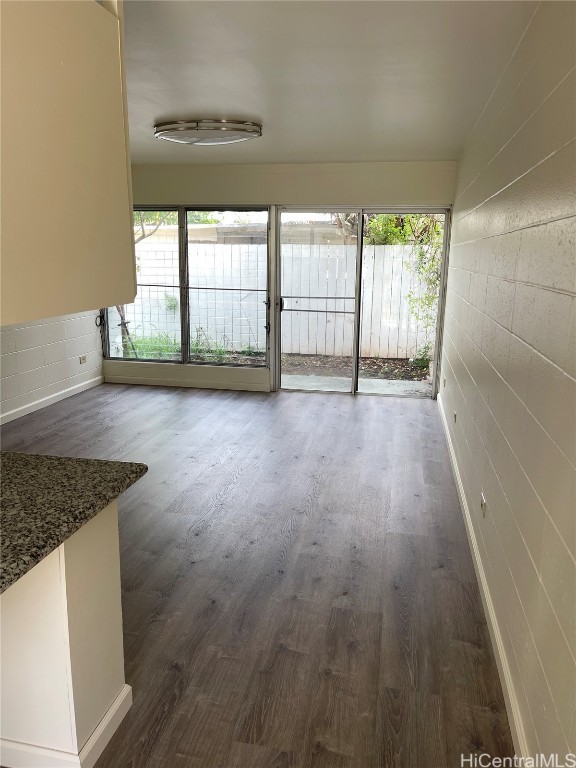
(14,754)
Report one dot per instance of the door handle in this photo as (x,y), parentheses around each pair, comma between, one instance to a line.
(281,304)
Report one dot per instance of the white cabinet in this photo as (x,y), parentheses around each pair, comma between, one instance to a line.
(62,692)
(66,197)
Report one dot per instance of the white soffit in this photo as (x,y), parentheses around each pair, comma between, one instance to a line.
(331,81)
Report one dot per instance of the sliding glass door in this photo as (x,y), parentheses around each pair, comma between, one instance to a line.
(361,314)
(318,299)
(401,276)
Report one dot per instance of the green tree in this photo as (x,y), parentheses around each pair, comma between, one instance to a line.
(146,223)
(386,229)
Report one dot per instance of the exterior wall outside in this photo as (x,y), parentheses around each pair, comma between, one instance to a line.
(509,369)
(40,362)
(395,184)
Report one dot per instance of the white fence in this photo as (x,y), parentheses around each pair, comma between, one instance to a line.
(227,303)
(328,273)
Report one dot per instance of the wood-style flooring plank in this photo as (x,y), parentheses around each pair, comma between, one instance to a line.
(254,756)
(411,731)
(274,716)
(410,655)
(341,727)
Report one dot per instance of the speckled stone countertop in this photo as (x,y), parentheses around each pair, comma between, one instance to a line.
(45,499)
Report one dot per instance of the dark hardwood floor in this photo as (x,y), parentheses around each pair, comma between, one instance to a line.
(298,590)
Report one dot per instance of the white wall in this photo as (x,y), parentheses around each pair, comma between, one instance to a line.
(40,362)
(393,184)
(510,368)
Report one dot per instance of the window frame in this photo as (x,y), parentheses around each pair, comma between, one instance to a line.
(184,288)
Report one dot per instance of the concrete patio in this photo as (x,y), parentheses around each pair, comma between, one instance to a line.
(317,383)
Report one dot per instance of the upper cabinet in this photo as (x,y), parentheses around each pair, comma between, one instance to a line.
(67,241)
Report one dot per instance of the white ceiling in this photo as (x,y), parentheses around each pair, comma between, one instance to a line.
(331,80)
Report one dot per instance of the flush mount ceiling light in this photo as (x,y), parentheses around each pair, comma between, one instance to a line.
(207,132)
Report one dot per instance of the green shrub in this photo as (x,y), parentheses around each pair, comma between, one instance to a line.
(423,356)
(386,229)
(202,345)
(171,302)
(162,345)
(250,350)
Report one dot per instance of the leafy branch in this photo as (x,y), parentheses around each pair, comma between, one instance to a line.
(424,232)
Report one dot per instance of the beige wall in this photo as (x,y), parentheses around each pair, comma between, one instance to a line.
(40,362)
(509,365)
(66,210)
(392,184)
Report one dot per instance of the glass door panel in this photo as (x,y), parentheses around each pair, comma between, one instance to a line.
(227,287)
(318,290)
(401,267)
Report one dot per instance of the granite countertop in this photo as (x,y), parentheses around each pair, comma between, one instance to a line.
(45,499)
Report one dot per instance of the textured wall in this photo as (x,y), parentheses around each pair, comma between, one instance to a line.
(40,362)
(509,364)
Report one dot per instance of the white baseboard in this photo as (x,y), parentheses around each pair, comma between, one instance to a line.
(36,405)
(14,754)
(512,707)
(94,747)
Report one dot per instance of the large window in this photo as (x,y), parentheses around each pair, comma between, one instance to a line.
(227,287)
(202,289)
(150,328)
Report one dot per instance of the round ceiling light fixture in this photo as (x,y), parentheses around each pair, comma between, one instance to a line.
(207,132)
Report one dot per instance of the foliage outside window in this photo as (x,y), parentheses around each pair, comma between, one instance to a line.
(425,233)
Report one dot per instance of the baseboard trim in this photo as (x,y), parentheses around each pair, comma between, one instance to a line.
(36,405)
(512,707)
(15,754)
(94,747)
